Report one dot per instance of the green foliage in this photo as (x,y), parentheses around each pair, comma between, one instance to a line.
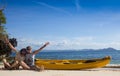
(3,33)
(2,18)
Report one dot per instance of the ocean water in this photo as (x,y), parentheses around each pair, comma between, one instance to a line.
(72,54)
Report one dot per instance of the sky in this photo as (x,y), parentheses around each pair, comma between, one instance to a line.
(66,24)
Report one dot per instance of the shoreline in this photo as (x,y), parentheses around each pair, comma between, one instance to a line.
(112,66)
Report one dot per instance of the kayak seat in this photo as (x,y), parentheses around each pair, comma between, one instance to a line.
(89,61)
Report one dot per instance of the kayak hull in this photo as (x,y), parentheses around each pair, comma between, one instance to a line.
(73,64)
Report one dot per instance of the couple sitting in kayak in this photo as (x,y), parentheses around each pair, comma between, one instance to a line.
(24,58)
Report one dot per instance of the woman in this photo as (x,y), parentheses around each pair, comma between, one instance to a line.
(15,64)
(19,59)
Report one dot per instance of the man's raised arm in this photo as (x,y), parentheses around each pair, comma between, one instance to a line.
(37,51)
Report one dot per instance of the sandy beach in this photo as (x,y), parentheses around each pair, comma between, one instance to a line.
(90,72)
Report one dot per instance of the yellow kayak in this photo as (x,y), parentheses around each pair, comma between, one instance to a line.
(73,64)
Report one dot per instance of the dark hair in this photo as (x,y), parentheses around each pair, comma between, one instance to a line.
(23,49)
(28,47)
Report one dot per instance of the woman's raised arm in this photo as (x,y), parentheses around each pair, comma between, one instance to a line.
(10,45)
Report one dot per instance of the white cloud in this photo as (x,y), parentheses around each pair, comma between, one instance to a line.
(66,44)
(23,42)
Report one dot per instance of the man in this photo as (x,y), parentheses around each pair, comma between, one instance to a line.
(30,57)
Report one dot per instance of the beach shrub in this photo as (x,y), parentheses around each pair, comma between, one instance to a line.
(5,49)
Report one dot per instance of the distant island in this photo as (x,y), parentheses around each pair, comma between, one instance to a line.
(104,49)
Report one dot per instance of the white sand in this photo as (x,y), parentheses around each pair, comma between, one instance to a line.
(94,72)
(60,73)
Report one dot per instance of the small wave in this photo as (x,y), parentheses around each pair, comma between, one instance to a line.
(112,66)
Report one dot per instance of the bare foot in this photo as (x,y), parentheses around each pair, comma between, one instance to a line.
(2,68)
(42,68)
(39,69)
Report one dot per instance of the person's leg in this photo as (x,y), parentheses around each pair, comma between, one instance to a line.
(6,64)
(15,65)
(24,65)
